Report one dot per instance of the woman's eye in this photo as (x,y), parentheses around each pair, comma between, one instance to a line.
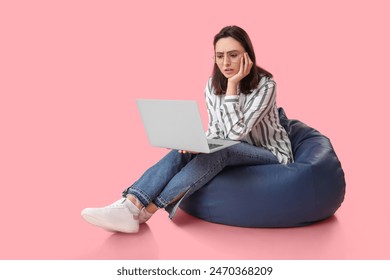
(233,55)
(219,56)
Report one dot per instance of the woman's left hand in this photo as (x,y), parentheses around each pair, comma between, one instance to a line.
(185,152)
(245,68)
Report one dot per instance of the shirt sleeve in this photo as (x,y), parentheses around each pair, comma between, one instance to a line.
(239,122)
(214,130)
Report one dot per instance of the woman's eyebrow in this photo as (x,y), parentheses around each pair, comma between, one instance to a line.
(227,52)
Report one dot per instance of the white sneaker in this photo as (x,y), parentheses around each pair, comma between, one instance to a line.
(121,216)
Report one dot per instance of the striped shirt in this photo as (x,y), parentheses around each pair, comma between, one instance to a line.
(251,118)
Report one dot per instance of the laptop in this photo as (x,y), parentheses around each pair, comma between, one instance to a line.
(177,124)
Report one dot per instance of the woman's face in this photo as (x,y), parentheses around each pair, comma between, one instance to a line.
(228,53)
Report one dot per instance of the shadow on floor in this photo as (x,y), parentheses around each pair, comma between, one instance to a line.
(322,240)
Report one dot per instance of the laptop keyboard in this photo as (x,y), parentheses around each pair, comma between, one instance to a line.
(213,146)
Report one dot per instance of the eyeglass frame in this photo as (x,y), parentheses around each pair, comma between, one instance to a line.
(222,59)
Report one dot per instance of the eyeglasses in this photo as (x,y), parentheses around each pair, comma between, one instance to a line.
(232,57)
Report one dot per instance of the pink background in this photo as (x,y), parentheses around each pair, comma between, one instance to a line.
(71,136)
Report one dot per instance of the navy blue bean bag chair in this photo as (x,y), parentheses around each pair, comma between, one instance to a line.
(297,194)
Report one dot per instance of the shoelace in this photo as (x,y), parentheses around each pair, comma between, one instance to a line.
(121,203)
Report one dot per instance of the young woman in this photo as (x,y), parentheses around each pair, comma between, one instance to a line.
(240,98)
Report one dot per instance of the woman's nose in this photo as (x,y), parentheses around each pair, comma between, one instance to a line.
(226,60)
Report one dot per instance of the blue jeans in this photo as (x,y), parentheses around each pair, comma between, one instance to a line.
(180,175)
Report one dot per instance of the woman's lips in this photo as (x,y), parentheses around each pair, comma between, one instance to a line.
(228,71)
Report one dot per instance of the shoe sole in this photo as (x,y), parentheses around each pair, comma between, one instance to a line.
(98,223)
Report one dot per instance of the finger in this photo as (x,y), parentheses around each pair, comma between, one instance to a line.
(248,63)
(245,63)
(242,64)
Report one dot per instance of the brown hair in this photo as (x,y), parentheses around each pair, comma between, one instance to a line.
(252,80)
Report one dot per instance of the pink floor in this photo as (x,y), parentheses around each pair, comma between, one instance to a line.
(52,228)
(186,238)
(71,136)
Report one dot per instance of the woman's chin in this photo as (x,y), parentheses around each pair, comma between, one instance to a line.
(228,75)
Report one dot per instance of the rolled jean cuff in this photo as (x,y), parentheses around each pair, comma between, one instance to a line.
(160,202)
(139,194)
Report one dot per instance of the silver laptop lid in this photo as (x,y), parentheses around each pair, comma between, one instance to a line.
(174,124)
